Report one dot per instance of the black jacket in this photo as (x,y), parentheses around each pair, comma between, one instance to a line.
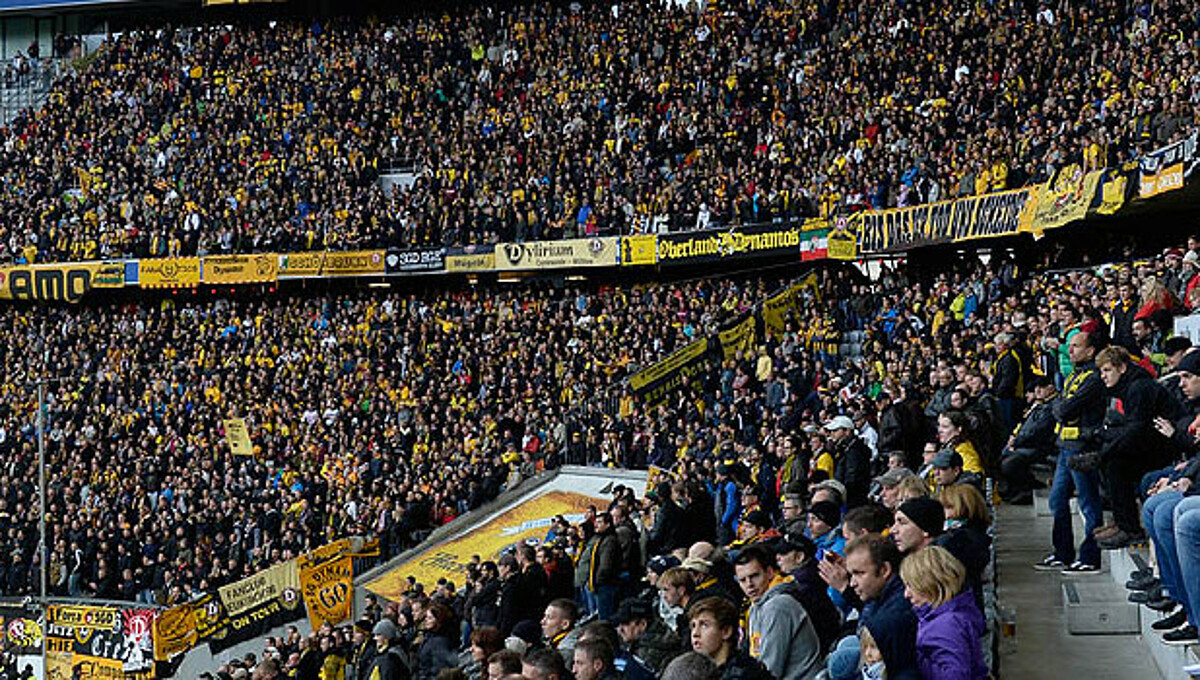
(813,594)
(742,666)
(1036,432)
(667,533)
(390,665)
(1007,381)
(852,467)
(1133,403)
(1080,409)
(483,605)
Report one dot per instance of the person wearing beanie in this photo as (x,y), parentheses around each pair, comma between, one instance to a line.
(918,522)
(824,521)
(391,662)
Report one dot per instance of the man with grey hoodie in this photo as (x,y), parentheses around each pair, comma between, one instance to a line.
(780,632)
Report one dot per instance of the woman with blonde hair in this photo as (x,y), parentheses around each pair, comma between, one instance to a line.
(949,625)
(909,488)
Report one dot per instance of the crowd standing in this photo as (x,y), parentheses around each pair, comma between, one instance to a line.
(551,120)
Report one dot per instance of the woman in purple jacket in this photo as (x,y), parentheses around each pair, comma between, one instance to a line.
(949,624)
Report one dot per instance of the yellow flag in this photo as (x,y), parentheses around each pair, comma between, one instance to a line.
(238,437)
(328,589)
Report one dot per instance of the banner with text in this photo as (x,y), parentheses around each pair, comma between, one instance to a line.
(405,261)
(1064,199)
(737,243)
(59,282)
(260,268)
(568,254)
(655,383)
(897,229)
(169,272)
(328,590)
(639,250)
(739,337)
(1167,169)
(470,259)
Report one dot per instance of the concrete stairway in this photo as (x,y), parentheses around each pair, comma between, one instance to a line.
(1170,659)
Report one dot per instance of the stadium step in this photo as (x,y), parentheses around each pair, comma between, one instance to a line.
(1171,660)
(1041,503)
(1098,608)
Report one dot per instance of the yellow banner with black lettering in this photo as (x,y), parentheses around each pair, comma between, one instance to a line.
(169,272)
(777,308)
(1064,199)
(260,268)
(174,632)
(328,590)
(301,264)
(59,282)
(238,437)
(470,262)
(841,244)
(353,262)
(739,338)
(268,584)
(655,383)
(639,250)
(81,617)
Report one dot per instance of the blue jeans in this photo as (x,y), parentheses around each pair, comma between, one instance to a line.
(606,602)
(1158,516)
(1087,486)
(1187,545)
(843,660)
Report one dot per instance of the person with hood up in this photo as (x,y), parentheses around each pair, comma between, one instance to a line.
(949,625)
(780,632)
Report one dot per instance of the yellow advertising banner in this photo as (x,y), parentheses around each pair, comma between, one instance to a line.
(328,590)
(739,338)
(59,282)
(82,617)
(353,262)
(99,668)
(174,632)
(169,272)
(450,559)
(1167,179)
(238,437)
(639,250)
(266,585)
(841,245)
(570,253)
(58,665)
(301,264)
(476,262)
(1064,199)
(260,268)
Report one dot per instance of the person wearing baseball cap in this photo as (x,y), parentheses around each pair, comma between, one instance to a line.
(948,471)
(1032,441)
(797,557)
(888,482)
(645,636)
(851,460)
(755,527)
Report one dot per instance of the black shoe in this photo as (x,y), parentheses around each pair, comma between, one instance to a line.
(1144,596)
(1050,563)
(1181,636)
(1023,498)
(1171,622)
(1139,582)
(1078,568)
(1121,539)
(1164,605)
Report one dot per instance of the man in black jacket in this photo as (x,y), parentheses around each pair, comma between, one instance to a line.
(1032,441)
(1008,380)
(1078,413)
(667,532)
(1127,443)
(852,460)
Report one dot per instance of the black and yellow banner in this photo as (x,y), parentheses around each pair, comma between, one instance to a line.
(639,250)
(1168,168)
(59,282)
(169,272)
(238,437)
(841,244)
(175,632)
(897,229)
(328,590)
(354,262)
(471,260)
(697,247)
(739,338)
(1064,199)
(260,268)
(655,383)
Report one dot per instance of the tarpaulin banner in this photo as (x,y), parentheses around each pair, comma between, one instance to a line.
(353,262)
(739,337)
(471,260)
(814,245)
(301,264)
(1167,169)
(328,590)
(59,282)
(21,632)
(655,383)
(639,250)
(842,245)
(425,260)
(1064,199)
(175,632)
(777,308)
(269,584)
(1115,190)
(238,437)
(79,617)
(169,272)
(999,214)
(329,551)
(567,254)
(58,665)
(260,268)
(768,240)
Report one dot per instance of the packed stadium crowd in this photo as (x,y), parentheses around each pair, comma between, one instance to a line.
(831,515)
(547,120)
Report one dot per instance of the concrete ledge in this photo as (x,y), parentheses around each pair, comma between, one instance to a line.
(1169,659)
